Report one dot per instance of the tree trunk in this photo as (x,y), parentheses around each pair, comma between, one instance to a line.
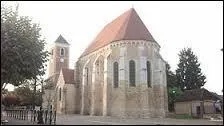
(3,85)
(1,103)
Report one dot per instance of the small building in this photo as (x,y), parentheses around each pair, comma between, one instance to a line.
(192,102)
(65,98)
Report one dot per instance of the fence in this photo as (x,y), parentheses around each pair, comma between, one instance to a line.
(35,116)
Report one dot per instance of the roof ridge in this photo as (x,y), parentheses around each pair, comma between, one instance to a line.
(106,26)
(125,24)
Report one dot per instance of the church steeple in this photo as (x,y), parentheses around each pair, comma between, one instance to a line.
(60,39)
(59,56)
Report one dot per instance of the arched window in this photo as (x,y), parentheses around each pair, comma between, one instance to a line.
(59,94)
(116,74)
(148,73)
(62,52)
(132,73)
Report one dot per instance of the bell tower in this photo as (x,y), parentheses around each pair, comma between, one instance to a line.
(59,56)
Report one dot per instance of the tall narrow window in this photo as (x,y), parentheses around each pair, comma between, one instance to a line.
(148,74)
(59,94)
(87,76)
(116,75)
(62,52)
(52,52)
(132,73)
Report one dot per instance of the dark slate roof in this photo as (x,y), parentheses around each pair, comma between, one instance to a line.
(60,39)
(196,94)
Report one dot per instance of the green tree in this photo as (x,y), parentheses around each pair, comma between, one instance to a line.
(189,75)
(22,49)
(171,77)
(172,87)
(26,94)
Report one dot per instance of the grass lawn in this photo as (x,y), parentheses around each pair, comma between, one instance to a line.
(184,116)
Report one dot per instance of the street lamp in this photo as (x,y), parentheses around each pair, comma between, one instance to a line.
(174,92)
(174,99)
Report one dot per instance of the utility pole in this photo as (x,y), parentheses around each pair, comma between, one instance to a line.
(42,91)
(221,101)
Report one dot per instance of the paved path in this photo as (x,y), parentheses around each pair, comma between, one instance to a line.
(13,121)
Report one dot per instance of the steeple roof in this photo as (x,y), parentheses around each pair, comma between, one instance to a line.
(60,39)
(127,26)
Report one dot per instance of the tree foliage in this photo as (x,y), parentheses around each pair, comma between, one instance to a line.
(172,87)
(189,75)
(171,77)
(25,92)
(22,49)
(49,84)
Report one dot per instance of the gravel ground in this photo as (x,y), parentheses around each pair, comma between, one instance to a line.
(75,119)
(99,120)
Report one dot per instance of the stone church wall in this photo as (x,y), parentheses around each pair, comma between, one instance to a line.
(70,99)
(124,101)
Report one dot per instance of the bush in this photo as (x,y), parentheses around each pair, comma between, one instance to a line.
(10,100)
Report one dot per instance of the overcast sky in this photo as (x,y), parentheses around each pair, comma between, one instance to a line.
(174,25)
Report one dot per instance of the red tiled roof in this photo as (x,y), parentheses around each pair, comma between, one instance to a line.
(68,75)
(127,26)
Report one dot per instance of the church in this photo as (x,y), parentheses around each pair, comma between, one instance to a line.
(121,73)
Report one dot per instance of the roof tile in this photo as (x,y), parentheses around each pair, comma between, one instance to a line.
(127,26)
(68,75)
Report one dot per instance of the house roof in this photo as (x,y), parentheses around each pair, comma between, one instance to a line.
(68,76)
(196,94)
(127,26)
(61,39)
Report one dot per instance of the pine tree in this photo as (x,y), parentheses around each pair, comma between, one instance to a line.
(189,75)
